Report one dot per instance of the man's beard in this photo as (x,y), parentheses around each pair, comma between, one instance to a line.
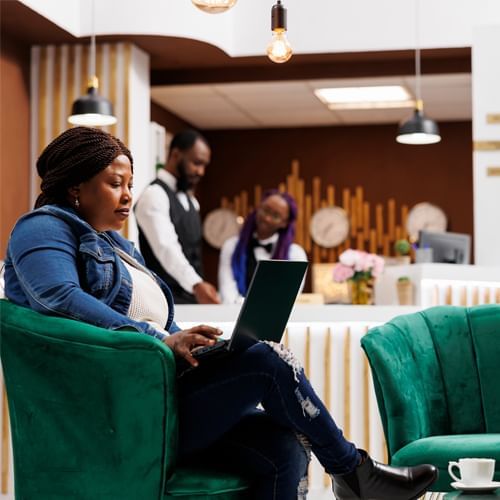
(183,182)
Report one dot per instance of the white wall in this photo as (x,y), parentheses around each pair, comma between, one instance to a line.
(486,100)
(139,102)
(313,26)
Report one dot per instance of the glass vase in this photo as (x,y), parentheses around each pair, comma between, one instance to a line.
(361,291)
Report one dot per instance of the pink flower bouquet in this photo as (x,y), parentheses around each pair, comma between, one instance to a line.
(357,265)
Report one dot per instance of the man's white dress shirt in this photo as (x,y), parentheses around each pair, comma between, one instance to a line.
(152,212)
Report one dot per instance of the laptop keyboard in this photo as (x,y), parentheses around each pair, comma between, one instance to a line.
(218,345)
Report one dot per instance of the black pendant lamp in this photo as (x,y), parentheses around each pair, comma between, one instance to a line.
(418,129)
(91,109)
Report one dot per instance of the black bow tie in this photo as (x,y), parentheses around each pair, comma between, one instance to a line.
(268,247)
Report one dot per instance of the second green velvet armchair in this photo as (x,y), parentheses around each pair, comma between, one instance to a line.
(436,375)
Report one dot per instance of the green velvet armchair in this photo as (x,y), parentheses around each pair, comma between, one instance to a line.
(437,380)
(93,414)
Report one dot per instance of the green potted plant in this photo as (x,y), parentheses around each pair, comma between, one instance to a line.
(402,249)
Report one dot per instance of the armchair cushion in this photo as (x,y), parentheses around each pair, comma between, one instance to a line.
(439,450)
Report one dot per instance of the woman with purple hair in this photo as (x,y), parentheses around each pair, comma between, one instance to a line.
(267,233)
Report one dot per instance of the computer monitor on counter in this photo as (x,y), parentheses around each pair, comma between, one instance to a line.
(449,248)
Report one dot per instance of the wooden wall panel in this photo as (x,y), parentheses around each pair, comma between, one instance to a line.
(346,157)
(14,136)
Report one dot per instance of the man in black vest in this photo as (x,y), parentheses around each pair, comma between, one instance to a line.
(168,218)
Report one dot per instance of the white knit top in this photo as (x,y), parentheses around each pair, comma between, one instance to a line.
(148,303)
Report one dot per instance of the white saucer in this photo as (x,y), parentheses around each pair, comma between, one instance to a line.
(477,487)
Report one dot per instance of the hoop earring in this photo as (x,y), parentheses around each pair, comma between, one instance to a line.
(77,202)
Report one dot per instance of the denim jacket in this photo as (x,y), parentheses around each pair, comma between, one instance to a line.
(58,264)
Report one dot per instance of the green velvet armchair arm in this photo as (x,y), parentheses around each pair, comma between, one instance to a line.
(92,411)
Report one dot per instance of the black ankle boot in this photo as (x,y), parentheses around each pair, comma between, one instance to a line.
(373,481)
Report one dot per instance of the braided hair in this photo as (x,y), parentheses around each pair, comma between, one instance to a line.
(73,157)
(285,240)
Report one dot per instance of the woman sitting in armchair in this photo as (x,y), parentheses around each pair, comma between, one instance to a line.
(65,258)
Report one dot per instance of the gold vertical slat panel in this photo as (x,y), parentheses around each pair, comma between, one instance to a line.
(354,217)
(330,195)
(57,91)
(70,82)
(391,218)
(327,385)
(346,200)
(379,223)
(307,359)
(366,220)
(475,296)
(373,241)
(448,295)
(316,193)
(301,236)
(366,402)
(42,100)
(112,96)
(463,296)
(359,196)
(307,218)
(347,383)
(404,218)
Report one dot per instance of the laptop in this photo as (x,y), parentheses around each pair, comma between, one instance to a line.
(264,313)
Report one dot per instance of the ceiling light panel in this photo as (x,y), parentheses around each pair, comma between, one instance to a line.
(384,96)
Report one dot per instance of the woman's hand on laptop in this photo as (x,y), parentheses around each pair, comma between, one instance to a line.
(183,342)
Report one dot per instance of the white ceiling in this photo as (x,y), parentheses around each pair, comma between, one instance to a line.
(447,97)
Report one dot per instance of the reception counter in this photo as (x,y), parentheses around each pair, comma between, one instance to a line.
(441,284)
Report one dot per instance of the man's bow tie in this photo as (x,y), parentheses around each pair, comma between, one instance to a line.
(268,247)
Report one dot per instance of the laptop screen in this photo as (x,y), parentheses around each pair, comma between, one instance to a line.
(268,303)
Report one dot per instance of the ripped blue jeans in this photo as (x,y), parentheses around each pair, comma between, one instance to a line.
(216,400)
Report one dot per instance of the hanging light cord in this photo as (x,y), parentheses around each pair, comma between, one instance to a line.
(418,94)
(93,82)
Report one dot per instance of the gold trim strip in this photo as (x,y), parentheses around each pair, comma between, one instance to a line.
(447,297)
(113,64)
(70,83)
(347,383)
(327,387)
(486,145)
(493,118)
(366,400)
(42,98)
(307,360)
(56,92)
(5,443)
(285,338)
(475,296)
(328,368)
(493,171)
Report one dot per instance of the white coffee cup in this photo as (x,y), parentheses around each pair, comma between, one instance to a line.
(473,471)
